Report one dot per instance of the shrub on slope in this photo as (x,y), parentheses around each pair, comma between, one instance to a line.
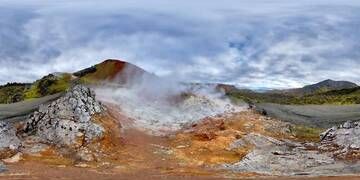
(48,85)
(12,92)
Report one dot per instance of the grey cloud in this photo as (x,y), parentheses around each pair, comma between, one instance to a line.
(277,44)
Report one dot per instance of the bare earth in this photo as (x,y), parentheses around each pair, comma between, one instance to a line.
(191,153)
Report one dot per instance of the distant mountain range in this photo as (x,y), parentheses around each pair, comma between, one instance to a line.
(321,87)
(324,92)
(121,72)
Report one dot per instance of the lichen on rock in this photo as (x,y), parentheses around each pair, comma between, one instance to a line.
(67,121)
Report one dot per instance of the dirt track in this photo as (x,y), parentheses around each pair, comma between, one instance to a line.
(323,116)
(16,111)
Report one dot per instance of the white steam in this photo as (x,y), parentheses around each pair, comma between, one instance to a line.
(163,104)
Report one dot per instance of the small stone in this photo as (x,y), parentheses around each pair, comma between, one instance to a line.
(85,155)
(325,134)
(82,165)
(79,134)
(181,147)
(13,147)
(348,125)
(14,159)
(278,153)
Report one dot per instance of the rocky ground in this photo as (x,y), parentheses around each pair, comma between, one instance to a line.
(247,142)
(77,137)
(65,126)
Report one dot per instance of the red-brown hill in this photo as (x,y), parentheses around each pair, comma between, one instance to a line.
(111,70)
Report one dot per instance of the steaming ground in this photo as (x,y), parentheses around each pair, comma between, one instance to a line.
(168,109)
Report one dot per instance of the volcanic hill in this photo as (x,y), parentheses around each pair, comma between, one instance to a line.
(110,70)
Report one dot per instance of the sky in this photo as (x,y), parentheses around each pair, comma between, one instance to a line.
(252,44)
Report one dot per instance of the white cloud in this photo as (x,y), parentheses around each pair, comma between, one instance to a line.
(248,43)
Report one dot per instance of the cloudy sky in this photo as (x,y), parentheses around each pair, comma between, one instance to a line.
(254,43)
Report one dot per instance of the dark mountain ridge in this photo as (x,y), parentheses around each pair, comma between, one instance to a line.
(324,92)
(320,87)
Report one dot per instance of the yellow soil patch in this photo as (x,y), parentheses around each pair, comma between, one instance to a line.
(207,142)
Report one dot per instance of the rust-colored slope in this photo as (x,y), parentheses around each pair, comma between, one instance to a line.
(110,70)
(207,142)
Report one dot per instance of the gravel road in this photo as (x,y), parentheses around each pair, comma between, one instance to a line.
(18,110)
(323,116)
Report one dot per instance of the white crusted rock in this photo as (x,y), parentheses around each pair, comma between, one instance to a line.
(61,121)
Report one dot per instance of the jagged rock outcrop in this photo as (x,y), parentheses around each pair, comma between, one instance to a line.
(343,140)
(68,120)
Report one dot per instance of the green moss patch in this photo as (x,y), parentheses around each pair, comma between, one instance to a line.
(12,92)
(48,85)
(305,133)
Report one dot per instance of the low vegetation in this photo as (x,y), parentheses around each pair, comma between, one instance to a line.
(306,133)
(12,92)
(48,85)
